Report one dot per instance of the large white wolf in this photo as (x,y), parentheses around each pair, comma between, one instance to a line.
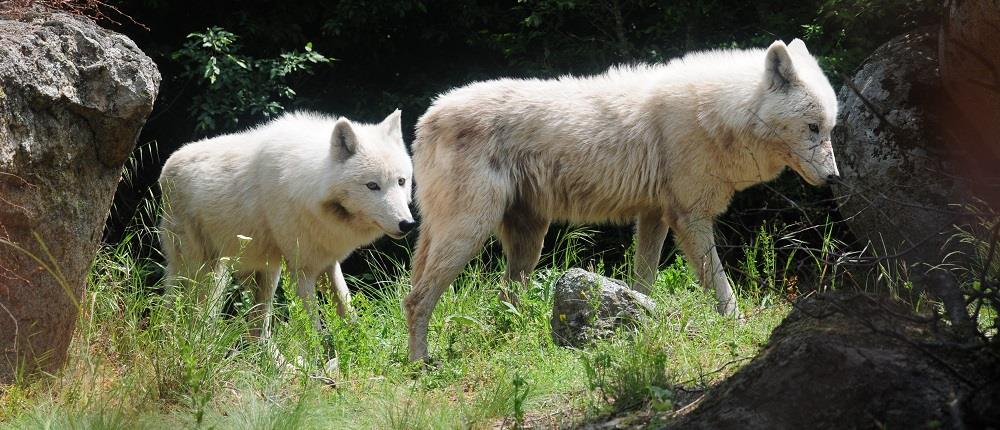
(306,187)
(665,146)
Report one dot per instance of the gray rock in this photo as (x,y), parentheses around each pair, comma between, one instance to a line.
(899,184)
(589,306)
(73,97)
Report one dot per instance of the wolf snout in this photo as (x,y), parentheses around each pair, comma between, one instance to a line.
(407,226)
(832,178)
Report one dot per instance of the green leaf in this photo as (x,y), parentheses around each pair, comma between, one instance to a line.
(465,320)
(235,85)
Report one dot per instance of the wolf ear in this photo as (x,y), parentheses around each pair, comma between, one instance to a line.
(798,46)
(343,142)
(391,124)
(778,69)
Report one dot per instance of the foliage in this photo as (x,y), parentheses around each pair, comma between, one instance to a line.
(400,54)
(136,361)
(625,378)
(521,390)
(981,238)
(555,33)
(236,86)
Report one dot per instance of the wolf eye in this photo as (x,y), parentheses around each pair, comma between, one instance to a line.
(814,128)
(402,181)
(372,186)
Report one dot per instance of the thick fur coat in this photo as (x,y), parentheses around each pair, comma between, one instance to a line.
(304,187)
(663,145)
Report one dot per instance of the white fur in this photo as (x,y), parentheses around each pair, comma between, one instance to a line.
(666,146)
(297,187)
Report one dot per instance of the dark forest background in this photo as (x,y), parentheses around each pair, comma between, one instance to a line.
(227,65)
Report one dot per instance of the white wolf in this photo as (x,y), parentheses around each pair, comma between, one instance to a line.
(306,187)
(665,146)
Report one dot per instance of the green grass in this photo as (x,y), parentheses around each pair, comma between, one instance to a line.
(137,363)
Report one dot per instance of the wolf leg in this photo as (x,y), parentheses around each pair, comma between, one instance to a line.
(522,234)
(650,232)
(305,288)
(697,239)
(187,262)
(266,282)
(340,292)
(440,262)
(419,259)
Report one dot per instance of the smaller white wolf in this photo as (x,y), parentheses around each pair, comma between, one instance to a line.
(305,187)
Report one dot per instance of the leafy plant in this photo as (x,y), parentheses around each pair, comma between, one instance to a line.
(981,237)
(236,86)
(521,389)
(628,377)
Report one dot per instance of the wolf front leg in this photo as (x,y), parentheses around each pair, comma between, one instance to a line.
(265,283)
(340,292)
(305,280)
(696,235)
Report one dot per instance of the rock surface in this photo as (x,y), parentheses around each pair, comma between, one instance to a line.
(73,97)
(589,306)
(851,361)
(893,159)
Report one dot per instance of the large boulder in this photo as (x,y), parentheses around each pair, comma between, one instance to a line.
(852,361)
(73,97)
(587,306)
(899,182)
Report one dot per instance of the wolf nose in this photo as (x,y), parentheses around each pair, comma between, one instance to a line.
(832,179)
(407,226)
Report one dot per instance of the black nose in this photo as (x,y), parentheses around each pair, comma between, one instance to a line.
(832,179)
(406,226)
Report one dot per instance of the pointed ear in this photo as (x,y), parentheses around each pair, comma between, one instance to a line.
(798,46)
(391,123)
(343,142)
(778,69)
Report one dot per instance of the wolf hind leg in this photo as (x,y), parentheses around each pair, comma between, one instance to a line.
(446,257)
(188,264)
(456,221)
(522,234)
(650,232)
(453,230)
(420,255)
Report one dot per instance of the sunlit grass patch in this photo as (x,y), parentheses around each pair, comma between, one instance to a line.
(138,360)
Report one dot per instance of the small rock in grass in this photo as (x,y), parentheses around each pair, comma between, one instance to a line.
(588,306)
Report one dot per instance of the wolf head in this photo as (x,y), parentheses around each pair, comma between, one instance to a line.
(375,174)
(797,111)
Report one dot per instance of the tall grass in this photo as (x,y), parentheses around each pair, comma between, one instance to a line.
(137,362)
